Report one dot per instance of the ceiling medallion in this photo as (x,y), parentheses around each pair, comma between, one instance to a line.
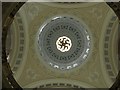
(64,42)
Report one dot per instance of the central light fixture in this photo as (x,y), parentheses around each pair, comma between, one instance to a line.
(63,44)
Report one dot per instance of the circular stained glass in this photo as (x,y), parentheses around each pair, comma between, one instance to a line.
(64,42)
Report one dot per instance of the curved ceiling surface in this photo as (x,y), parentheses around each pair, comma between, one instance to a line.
(57,45)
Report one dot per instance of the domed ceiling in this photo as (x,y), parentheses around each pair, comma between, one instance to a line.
(64,45)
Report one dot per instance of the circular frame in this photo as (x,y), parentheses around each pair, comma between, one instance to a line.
(66,26)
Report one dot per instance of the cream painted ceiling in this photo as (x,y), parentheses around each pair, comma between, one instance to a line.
(100,69)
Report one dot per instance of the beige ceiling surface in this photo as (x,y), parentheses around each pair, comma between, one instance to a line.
(31,67)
